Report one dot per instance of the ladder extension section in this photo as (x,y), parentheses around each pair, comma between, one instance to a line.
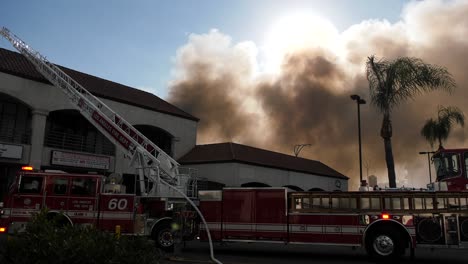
(116,129)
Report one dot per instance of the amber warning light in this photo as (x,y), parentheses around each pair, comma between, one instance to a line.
(27,168)
(385,216)
(2,229)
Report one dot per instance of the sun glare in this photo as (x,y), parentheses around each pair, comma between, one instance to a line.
(296,32)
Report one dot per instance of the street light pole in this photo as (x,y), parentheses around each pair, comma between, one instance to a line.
(359,102)
(428,162)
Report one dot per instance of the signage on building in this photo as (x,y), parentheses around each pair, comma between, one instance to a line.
(11,151)
(73,159)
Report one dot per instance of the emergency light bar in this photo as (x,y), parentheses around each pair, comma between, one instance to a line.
(27,168)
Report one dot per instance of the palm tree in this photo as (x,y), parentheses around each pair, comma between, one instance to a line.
(392,83)
(439,129)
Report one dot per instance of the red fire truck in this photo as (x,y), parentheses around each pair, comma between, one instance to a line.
(90,200)
(385,223)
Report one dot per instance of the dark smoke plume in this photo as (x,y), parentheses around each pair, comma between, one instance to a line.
(308,100)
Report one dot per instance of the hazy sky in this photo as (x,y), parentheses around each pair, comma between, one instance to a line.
(270,74)
(135,42)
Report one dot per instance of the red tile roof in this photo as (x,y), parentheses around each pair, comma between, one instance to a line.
(232,152)
(16,64)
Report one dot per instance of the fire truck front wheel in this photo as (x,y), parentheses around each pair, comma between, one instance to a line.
(164,238)
(386,243)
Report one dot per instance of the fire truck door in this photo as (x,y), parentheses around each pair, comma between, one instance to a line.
(82,200)
(29,197)
(57,193)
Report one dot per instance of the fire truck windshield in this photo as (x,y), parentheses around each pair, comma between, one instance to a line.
(446,165)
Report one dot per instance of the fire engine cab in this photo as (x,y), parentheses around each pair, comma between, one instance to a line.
(451,166)
(86,199)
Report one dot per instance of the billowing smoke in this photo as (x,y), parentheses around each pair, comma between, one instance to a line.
(212,83)
(308,100)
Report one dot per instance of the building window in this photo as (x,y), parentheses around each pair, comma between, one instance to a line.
(68,129)
(14,121)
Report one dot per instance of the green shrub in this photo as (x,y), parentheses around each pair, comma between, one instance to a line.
(46,241)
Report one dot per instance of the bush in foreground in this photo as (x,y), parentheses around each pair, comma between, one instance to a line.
(46,242)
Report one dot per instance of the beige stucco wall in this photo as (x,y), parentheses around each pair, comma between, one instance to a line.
(43,98)
(235,174)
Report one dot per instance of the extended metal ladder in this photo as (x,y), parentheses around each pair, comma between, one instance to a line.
(153,164)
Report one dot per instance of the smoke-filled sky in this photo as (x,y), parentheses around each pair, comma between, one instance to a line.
(296,88)
(267,73)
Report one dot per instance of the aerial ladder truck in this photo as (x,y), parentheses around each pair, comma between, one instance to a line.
(152,163)
(159,175)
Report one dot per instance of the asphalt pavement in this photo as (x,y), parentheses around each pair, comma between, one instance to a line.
(263,253)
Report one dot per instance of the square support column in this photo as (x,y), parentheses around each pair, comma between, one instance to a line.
(38,124)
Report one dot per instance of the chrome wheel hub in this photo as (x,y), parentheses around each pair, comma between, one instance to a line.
(383,245)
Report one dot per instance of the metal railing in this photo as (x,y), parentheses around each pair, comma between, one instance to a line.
(15,136)
(62,140)
(189,186)
(192,184)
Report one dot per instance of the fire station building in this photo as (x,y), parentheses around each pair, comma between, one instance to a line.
(39,127)
(239,165)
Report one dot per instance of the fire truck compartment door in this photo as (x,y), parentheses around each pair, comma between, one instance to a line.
(270,214)
(117,209)
(254,214)
(341,228)
(238,214)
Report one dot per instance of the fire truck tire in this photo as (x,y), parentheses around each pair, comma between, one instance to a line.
(385,244)
(164,238)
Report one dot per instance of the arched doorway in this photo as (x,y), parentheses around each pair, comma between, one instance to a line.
(158,136)
(294,188)
(68,129)
(255,184)
(15,129)
(209,185)
(15,120)
(316,190)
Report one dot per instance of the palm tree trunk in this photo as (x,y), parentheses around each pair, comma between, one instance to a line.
(390,162)
(386,134)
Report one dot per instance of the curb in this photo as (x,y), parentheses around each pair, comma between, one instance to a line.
(180,259)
